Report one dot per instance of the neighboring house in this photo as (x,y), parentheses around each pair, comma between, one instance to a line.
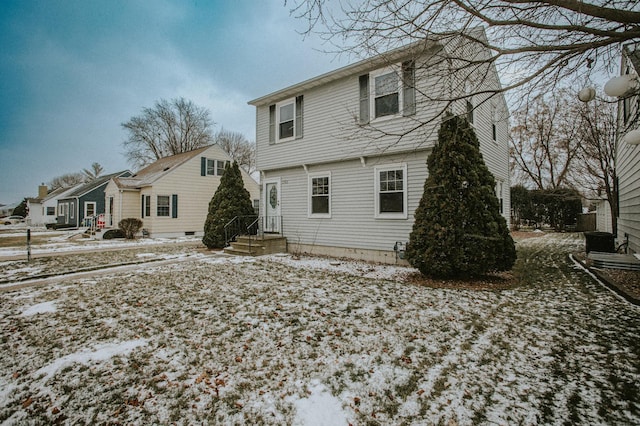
(603,215)
(172,195)
(84,201)
(35,217)
(628,155)
(332,184)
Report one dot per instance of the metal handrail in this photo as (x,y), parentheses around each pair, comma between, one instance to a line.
(255,230)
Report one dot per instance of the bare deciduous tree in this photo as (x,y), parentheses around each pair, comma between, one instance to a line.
(93,173)
(169,128)
(242,150)
(597,146)
(67,180)
(544,141)
(535,45)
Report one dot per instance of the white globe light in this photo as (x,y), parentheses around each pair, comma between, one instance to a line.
(587,94)
(619,86)
(632,137)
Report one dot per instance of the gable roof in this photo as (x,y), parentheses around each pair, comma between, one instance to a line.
(96,183)
(154,171)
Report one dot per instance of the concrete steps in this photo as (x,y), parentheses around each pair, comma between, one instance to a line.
(257,246)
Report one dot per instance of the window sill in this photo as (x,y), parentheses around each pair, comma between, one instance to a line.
(392,216)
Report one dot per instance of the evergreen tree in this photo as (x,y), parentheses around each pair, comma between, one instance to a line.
(458,230)
(230,200)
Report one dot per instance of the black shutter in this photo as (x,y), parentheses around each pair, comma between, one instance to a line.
(364,99)
(142,214)
(299,108)
(272,124)
(174,206)
(408,88)
(203,166)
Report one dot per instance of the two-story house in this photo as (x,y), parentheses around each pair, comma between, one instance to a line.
(343,155)
(172,195)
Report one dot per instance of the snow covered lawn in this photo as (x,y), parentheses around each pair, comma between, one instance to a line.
(273,340)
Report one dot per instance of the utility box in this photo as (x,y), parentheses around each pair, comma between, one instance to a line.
(600,241)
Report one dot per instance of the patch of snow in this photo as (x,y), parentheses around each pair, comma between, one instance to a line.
(40,308)
(100,353)
(319,409)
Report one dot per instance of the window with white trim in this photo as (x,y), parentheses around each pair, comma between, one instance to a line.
(387,92)
(285,117)
(391,191)
(285,120)
(320,195)
(89,209)
(163,206)
(499,194)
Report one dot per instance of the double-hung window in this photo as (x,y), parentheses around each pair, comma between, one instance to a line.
(285,120)
(163,206)
(320,195)
(211,167)
(391,191)
(388,92)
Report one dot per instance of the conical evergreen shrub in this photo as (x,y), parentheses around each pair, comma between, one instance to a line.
(231,199)
(458,230)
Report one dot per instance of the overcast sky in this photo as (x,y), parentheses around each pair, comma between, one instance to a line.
(72,71)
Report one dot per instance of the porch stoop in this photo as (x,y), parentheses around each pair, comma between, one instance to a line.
(252,246)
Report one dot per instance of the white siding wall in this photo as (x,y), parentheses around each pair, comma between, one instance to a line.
(352,223)
(331,131)
(628,170)
(126,204)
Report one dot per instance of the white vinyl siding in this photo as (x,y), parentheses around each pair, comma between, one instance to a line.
(628,170)
(352,222)
(331,114)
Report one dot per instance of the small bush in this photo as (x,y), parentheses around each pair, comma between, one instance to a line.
(130,227)
(113,233)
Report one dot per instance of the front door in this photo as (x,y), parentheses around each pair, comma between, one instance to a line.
(272,218)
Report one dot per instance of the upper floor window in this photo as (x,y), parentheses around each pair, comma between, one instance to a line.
(320,195)
(387,92)
(285,120)
(391,191)
(212,167)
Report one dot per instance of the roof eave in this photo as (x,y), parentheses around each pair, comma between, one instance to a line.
(418,47)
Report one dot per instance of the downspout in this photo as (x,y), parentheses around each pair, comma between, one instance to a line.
(120,207)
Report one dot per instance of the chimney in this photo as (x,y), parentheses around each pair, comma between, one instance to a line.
(42,191)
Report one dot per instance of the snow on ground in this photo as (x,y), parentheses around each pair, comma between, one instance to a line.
(40,308)
(275,340)
(71,240)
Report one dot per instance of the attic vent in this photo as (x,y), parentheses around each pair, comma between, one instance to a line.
(166,168)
